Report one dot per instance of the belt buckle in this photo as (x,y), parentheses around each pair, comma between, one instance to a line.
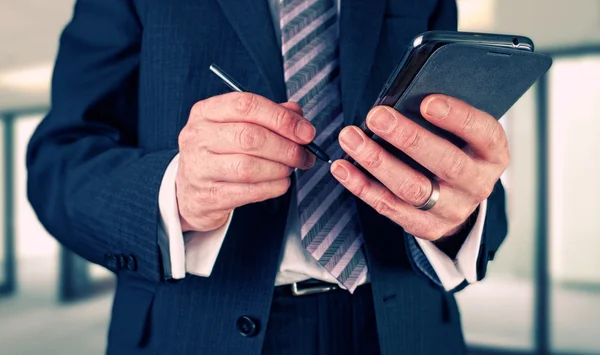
(311,290)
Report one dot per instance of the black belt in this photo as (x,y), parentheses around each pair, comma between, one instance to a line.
(307,287)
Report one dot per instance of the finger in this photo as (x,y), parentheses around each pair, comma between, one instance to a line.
(405,182)
(439,156)
(408,184)
(243,168)
(228,195)
(294,106)
(481,131)
(251,139)
(252,108)
(418,223)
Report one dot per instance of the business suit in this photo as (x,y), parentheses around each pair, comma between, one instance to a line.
(127,74)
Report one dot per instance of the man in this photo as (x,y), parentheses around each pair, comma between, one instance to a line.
(226,235)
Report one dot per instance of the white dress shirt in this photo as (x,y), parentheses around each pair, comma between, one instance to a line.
(196,252)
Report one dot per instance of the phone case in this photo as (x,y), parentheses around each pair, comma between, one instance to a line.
(491,79)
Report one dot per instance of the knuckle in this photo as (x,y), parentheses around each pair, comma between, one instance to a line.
(484,192)
(469,121)
(383,205)
(496,137)
(245,103)
(456,163)
(360,188)
(284,185)
(293,153)
(249,138)
(198,109)
(184,137)
(213,192)
(410,139)
(414,190)
(207,194)
(282,171)
(458,215)
(255,195)
(284,121)
(244,170)
(275,189)
(373,158)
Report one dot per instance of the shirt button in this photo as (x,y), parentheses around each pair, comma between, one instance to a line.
(247,326)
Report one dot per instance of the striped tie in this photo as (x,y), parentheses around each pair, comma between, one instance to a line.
(330,230)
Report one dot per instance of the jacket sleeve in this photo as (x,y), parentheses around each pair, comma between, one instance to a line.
(92,187)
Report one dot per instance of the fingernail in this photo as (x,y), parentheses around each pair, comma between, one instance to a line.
(310,160)
(351,138)
(381,119)
(437,108)
(305,131)
(340,172)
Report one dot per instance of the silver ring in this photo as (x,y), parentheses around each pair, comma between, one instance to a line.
(433,198)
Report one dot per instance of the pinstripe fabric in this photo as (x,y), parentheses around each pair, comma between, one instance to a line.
(420,260)
(322,324)
(329,226)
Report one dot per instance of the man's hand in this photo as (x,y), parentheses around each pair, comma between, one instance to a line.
(237,149)
(466,177)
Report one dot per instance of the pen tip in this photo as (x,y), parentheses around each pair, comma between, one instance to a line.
(329,161)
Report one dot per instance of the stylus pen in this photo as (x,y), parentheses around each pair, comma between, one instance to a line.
(235,86)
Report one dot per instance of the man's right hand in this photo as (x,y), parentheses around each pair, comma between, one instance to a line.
(237,149)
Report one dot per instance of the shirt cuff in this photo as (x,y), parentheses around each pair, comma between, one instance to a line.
(170,225)
(452,273)
(191,252)
(202,249)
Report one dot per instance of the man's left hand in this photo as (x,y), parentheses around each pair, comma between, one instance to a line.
(466,176)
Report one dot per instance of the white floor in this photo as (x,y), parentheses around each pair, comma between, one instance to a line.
(500,312)
(32,322)
(496,313)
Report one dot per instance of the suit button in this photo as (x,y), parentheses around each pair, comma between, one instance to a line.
(247,326)
(121,261)
(111,261)
(131,262)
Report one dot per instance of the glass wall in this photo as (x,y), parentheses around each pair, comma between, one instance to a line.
(37,251)
(574,125)
(499,311)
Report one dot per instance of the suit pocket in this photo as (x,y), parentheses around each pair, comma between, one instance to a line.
(131,313)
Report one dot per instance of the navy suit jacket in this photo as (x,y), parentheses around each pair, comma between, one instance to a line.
(126,76)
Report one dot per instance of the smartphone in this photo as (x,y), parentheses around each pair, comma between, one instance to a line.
(425,44)
(488,71)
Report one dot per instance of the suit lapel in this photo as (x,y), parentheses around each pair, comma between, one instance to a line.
(253,24)
(360,27)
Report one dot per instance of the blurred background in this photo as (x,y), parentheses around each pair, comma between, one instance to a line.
(542,292)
